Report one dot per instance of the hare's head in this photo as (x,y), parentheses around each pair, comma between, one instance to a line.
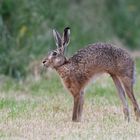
(56,57)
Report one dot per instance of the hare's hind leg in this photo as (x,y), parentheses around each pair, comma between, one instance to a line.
(78,107)
(128,85)
(121,94)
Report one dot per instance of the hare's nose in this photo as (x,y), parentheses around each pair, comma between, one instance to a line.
(44,61)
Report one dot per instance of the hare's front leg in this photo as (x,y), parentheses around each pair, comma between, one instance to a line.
(78,107)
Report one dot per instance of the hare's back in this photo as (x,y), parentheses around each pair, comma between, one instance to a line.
(103,55)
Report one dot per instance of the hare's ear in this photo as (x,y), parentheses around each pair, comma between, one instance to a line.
(57,38)
(66,36)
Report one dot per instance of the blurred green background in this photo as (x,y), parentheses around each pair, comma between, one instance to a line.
(26,28)
(33,102)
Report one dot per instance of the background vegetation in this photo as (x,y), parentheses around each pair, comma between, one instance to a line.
(33,103)
(26,27)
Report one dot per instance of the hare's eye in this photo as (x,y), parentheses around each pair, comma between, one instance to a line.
(54,53)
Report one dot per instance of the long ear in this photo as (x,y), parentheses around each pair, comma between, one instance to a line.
(66,36)
(65,39)
(57,38)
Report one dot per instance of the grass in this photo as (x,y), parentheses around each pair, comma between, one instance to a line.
(42,109)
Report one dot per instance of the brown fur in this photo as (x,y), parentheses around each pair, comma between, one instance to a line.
(77,71)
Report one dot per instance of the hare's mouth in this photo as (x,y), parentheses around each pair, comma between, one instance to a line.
(45,65)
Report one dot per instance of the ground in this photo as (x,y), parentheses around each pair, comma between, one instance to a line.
(42,110)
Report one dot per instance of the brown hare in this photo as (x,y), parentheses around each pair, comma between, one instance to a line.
(77,70)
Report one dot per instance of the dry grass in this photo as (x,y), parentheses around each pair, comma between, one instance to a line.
(51,119)
(27,114)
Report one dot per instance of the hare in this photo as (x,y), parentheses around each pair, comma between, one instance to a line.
(77,70)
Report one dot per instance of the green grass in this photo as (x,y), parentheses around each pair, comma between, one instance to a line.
(42,109)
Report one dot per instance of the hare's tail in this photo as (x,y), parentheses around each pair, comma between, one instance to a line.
(134,74)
